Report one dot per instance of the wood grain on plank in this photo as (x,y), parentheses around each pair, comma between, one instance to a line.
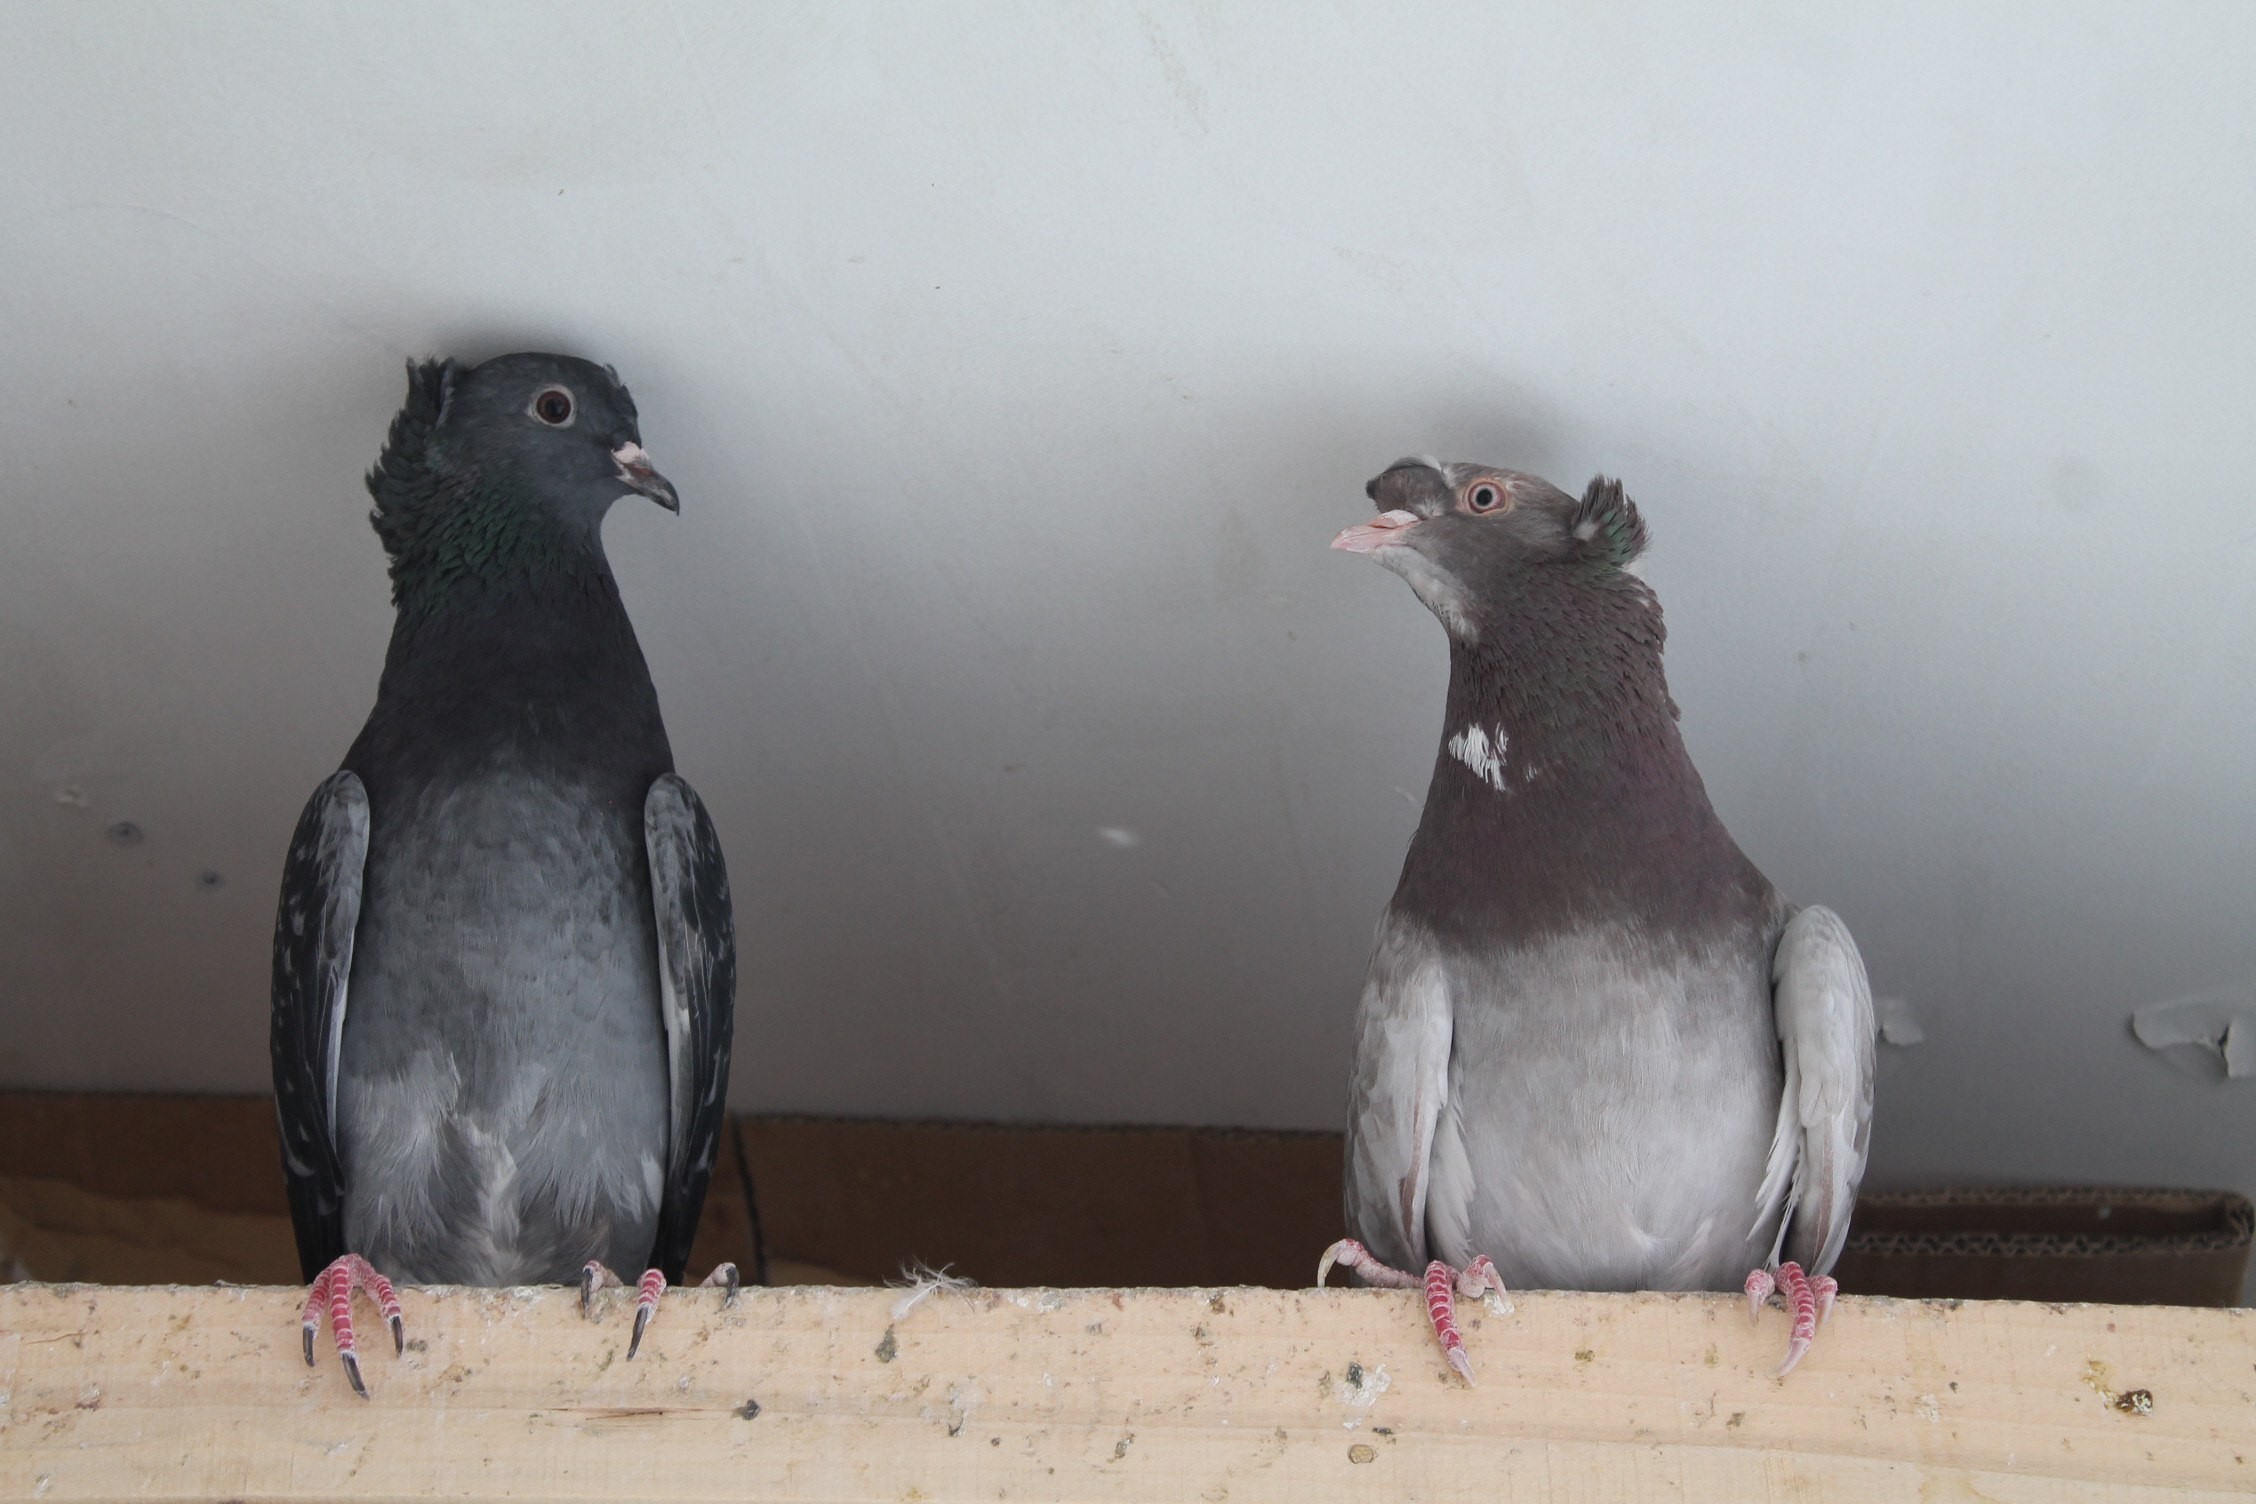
(1242,1394)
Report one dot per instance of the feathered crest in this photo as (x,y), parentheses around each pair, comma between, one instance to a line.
(399,478)
(1606,524)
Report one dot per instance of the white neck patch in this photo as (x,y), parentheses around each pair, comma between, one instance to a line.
(1473,748)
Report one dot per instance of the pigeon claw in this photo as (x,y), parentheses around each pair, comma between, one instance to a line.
(646,1306)
(1759,1288)
(332,1293)
(1809,1300)
(1349,1254)
(352,1372)
(642,1321)
(1441,1309)
(1480,1281)
(1476,1281)
(594,1276)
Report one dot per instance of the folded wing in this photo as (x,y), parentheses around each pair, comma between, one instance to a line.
(697,982)
(313,951)
(1823,1005)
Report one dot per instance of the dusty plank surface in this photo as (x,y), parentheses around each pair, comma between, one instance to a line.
(1240,1394)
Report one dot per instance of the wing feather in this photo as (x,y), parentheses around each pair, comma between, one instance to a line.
(313,950)
(1823,1003)
(697,982)
(1398,1096)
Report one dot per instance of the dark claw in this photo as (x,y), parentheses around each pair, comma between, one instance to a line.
(399,1337)
(642,1319)
(587,1293)
(352,1372)
(309,1346)
(734,1282)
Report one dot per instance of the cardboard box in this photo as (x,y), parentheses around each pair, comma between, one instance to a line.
(2116,1245)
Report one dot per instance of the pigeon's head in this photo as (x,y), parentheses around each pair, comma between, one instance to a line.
(1472,539)
(542,436)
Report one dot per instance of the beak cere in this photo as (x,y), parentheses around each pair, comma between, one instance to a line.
(1382,531)
(637,475)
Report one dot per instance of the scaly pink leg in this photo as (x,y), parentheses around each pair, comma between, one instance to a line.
(1441,1284)
(333,1288)
(598,1277)
(1810,1301)
(1349,1254)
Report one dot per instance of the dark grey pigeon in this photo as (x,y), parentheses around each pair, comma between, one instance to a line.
(1597,1050)
(504,962)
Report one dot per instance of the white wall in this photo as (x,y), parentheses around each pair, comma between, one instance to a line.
(1016,367)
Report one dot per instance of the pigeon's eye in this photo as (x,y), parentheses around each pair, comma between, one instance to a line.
(1484,496)
(553,406)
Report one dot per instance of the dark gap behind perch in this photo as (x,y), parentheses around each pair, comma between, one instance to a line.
(150,1189)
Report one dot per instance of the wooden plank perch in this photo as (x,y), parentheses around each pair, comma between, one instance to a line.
(818,1393)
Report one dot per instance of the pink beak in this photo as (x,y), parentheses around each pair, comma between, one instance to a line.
(1380,532)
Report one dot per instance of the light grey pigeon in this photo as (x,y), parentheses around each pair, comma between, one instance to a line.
(504,959)
(1597,1050)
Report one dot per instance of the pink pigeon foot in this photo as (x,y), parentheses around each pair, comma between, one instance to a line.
(1809,1299)
(333,1289)
(1441,1283)
(596,1276)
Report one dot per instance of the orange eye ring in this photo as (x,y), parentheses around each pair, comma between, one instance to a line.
(1484,495)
